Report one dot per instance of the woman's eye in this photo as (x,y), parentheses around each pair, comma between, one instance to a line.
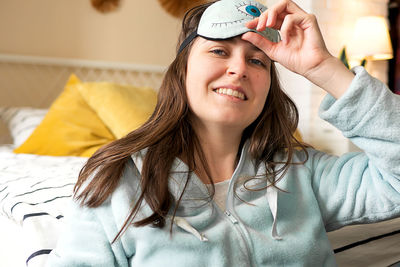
(257,62)
(219,52)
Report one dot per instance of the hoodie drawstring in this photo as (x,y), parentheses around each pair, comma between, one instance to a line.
(272,196)
(183,224)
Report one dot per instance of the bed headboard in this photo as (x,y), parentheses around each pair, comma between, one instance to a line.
(37,81)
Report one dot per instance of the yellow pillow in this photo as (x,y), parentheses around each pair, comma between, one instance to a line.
(298,136)
(122,108)
(70,128)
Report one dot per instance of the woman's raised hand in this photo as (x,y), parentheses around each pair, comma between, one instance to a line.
(302,49)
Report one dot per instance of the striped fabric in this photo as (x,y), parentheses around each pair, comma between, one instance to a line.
(34,193)
(376,244)
(21,121)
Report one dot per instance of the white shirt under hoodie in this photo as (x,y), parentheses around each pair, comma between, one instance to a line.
(221,191)
(264,228)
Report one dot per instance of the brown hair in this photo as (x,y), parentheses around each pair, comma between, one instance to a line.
(168,134)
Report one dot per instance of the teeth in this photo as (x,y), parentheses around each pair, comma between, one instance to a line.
(228,91)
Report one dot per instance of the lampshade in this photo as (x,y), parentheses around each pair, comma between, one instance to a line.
(370,40)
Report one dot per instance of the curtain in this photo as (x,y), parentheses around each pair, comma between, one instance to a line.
(394,64)
(397,57)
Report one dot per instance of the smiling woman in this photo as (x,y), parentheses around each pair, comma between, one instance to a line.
(148,199)
(227,100)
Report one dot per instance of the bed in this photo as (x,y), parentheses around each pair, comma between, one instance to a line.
(37,182)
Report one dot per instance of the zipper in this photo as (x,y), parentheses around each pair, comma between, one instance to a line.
(241,229)
(231,217)
(238,226)
(230,211)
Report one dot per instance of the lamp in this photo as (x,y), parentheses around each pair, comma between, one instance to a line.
(371,40)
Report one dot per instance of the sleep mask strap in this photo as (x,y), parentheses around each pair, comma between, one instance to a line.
(187,41)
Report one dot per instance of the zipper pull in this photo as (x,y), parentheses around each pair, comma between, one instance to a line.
(231,217)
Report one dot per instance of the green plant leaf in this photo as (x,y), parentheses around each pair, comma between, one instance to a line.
(343,57)
(363,62)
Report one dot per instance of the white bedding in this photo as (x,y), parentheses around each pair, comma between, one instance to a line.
(11,253)
(34,193)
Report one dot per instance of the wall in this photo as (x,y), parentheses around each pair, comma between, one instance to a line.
(138,32)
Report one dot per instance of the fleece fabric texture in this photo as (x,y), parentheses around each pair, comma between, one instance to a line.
(323,194)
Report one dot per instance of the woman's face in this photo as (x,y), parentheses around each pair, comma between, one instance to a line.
(227,82)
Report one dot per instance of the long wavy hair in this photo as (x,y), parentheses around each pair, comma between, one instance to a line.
(168,134)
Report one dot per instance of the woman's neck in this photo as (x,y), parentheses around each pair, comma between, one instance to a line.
(220,147)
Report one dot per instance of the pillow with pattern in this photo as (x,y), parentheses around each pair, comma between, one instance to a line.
(21,121)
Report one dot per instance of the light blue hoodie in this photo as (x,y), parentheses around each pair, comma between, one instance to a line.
(264,228)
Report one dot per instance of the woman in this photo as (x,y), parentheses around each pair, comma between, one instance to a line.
(223,130)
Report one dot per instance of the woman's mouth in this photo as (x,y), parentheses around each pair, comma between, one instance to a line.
(230,92)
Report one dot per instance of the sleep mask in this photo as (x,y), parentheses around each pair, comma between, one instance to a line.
(227,18)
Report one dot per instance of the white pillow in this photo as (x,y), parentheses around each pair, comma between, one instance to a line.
(21,121)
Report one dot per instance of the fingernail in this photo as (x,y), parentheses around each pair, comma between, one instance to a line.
(268,24)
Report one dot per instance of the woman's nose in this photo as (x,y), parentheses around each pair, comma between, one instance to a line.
(237,67)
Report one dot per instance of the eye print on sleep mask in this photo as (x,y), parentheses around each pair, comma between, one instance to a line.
(227,18)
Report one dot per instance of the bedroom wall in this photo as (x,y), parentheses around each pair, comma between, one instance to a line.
(138,32)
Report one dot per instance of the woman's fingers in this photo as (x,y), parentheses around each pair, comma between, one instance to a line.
(252,24)
(292,26)
(275,15)
(259,23)
(263,20)
(286,6)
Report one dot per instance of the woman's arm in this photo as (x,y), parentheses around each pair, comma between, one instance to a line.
(360,187)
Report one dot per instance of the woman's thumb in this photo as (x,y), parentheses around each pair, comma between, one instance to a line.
(260,42)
